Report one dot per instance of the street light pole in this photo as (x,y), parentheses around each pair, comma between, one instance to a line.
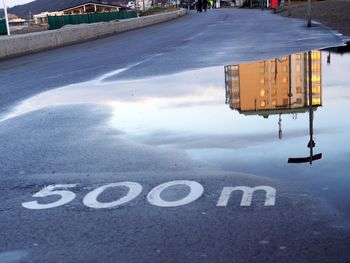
(289,12)
(6,19)
(308,13)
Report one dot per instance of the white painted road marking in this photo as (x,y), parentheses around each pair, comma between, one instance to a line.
(66,196)
(90,200)
(153,197)
(248,195)
(196,190)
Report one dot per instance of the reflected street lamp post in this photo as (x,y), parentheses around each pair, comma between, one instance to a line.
(6,18)
(311,143)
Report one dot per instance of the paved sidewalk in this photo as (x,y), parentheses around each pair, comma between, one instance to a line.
(332,13)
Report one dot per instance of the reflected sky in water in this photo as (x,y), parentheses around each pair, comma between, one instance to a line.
(187,112)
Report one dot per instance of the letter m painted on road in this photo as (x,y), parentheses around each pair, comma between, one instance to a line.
(247,195)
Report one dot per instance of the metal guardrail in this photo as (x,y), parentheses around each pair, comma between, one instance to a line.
(56,22)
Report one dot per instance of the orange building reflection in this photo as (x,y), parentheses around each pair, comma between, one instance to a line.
(275,86)
(288,85)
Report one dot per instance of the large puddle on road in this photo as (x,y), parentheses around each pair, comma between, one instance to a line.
(252,118)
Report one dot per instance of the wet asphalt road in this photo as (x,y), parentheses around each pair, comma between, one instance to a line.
(74,143)
(194,41)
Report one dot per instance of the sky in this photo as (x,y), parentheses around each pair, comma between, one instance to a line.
(11,3)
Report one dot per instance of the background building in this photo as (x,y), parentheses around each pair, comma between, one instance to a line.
(91,7)
(86,8)
(42,18)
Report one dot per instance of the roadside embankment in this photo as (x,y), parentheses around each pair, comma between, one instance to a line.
(11,46)
(332,13)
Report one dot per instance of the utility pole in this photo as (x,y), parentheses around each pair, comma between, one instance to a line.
(6,19)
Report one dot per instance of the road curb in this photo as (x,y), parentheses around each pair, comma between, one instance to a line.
(17,45)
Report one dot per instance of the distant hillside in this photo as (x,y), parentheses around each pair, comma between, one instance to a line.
(39,6)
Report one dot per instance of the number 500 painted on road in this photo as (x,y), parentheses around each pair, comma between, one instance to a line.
(153,197)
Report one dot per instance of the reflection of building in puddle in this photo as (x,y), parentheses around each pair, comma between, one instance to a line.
(276,86)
